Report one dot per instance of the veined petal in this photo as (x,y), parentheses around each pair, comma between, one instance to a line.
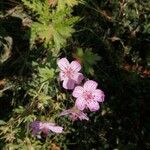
(56,129)
(83,116)
(68,84)
(75,66)
(80,103)
(78,91)
(51,124)
(62,76)
(63,63)
(90,85)
(98,95)
(93,106)
(78,77)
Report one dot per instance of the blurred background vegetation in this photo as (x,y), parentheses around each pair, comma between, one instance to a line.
(110,38)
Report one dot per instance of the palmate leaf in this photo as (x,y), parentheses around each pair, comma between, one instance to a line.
(57,32)
(37,6)
(62,28)
(88,58)
(52,26)
(41,31)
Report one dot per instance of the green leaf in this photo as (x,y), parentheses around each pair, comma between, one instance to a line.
(46,73)
(2,122)
(19,110)
(70,3)
(88,58)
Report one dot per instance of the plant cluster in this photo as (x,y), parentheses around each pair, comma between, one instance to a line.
(43,31)
(48,102)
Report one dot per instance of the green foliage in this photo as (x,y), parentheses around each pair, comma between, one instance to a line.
(53,26)
(62,28)
(63,3)
(2,122)
(46,73)
(37,96)
(88,58)
(115,39)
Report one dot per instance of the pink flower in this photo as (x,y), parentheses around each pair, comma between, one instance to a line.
(44,127)
(88,96)
(69,73)
(75,114)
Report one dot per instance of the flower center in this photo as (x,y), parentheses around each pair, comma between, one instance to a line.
(75,115)
(87,95)
(69,72)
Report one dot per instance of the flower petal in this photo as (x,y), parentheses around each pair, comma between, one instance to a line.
(64,113)
(68,84)
(90,85)
(35,126)
(49,124)
(93,106)
(83,116)
(78,91)
(98,95)
(63,63)
(56,129)
(78,77)
(75,66)
(80,103)
(34,132)
(62,76)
